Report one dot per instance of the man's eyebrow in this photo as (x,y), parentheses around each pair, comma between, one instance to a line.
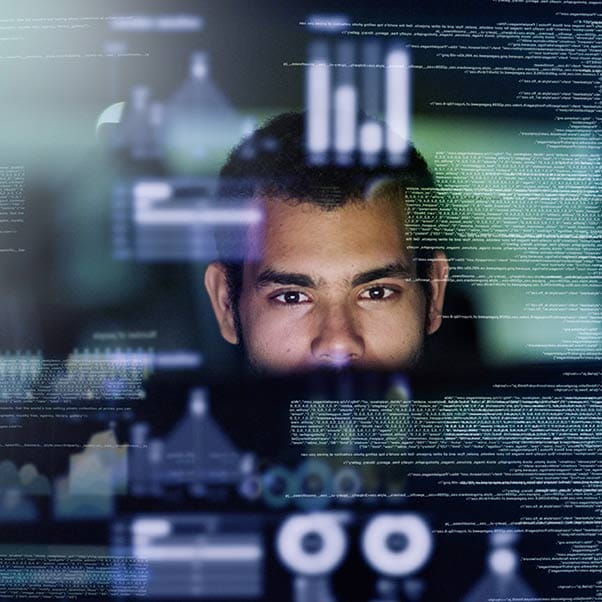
(271,276)
(392,270)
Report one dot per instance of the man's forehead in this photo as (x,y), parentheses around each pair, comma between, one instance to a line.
(304,217)
(302,237)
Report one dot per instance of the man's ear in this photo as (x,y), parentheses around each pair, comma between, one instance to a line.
(216,284)
(438,273)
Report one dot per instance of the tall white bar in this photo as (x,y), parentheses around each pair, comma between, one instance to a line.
(345,123)
(371,142)
(397,103)
(318,103)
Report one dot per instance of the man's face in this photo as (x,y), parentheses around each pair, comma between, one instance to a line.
(332,288)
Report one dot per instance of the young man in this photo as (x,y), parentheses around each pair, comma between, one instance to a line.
(328,276)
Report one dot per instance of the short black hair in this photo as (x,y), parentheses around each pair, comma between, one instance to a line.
(273,162)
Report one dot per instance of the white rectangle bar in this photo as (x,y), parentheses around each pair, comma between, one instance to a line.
(318,100)
(150,191)
(345,120)
(155,527)
(371,137)
(397,100)
(216,553)
(190,217)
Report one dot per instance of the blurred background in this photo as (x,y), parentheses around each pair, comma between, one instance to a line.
(127,413)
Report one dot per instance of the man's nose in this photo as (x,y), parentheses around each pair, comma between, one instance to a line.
(338,341)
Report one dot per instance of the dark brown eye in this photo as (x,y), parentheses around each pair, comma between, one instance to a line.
(292,298)
(377,293)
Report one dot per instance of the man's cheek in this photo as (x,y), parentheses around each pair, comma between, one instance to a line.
(393,338)
(271,335)
(289,340)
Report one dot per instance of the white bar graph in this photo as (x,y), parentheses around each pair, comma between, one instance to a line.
(334,133)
